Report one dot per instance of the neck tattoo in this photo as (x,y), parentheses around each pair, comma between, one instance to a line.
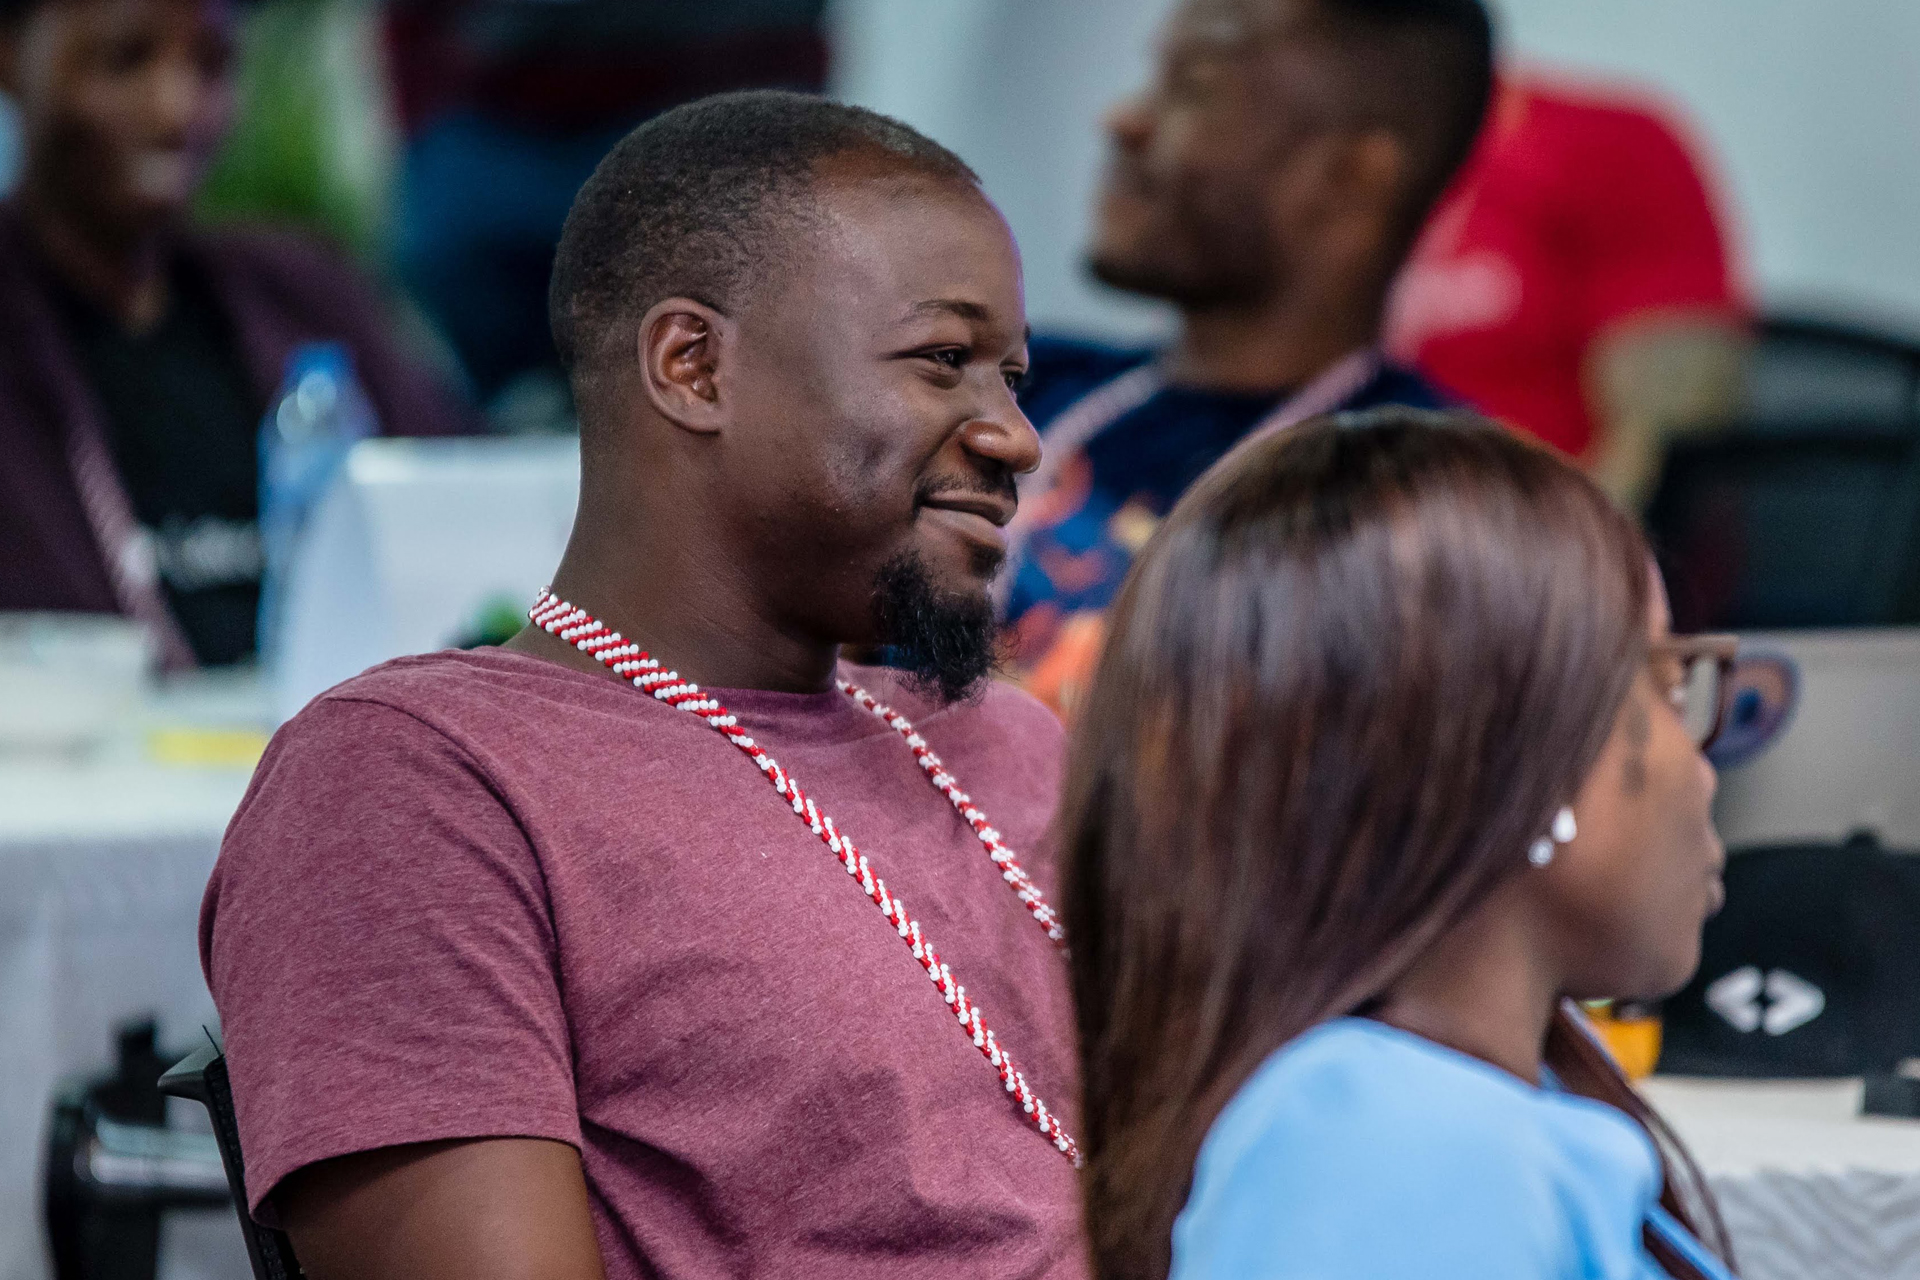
(632,663)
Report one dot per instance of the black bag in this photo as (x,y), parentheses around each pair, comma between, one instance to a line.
(1811,969)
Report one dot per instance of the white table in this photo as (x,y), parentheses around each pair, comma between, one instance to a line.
(1810,1188)
(103,860)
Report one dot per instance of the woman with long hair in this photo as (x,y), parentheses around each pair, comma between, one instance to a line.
(1388,759)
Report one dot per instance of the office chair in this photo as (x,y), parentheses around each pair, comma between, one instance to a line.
(113,1168)
(1803,369)
(202,1076)
(1814,524)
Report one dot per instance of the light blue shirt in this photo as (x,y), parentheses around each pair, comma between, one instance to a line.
(1360,1152)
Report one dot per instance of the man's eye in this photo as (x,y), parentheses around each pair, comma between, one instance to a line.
(954,358)
(1194,77)
(1016,379)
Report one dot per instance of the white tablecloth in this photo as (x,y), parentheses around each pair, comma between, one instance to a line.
(103,861)
(1811,1189)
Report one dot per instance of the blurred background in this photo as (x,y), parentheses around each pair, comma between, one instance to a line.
(397,475)
(1803,115)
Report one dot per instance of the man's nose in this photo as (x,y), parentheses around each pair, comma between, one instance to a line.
(1129,123)
(175,94)
(1003,436)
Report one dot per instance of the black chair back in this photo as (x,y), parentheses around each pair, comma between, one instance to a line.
(202,1076)
(1802,368)
(1783,526)
(113,1168)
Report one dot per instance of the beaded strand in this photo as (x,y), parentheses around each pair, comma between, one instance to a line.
(632,663)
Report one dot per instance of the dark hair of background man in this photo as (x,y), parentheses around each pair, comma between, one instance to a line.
(1422,68)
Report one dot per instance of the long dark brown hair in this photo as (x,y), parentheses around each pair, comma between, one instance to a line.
(1347,684)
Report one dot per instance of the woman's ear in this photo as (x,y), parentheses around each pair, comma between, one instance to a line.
(684,350)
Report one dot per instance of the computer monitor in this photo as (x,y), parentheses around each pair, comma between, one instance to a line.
(419,545)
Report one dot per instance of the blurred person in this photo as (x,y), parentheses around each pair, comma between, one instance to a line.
(509,104)
(138,355)
(1390,756)
(524,972)
(1268,184)
(1579,281)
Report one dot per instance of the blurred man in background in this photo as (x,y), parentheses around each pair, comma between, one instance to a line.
(1577,282)
(137,356)
(1268,184)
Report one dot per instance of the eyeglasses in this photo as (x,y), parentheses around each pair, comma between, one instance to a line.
(1693,672)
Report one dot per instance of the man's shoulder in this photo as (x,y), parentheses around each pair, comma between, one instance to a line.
(1586,109)
(1062,369)
(494,726)
(424,680)
(469,697)
(1396,384)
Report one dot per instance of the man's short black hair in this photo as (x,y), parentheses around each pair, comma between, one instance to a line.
(698,201)
(1425,69)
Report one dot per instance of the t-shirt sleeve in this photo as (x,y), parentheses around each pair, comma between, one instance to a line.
(378,942)
(1650,237)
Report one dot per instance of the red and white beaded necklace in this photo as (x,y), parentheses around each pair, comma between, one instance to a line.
(632,663)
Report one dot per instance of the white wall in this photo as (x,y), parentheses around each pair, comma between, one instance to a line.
(1811,109)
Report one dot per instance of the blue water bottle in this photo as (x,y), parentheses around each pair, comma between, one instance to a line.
(321,411)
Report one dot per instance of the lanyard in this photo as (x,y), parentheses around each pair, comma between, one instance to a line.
(1086,418)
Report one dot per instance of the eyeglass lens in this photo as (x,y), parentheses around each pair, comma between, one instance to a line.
(1698,696)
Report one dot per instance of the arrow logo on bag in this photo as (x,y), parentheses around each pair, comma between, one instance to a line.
(1777,1002)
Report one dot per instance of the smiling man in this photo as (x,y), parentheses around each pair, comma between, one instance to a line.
(610,954)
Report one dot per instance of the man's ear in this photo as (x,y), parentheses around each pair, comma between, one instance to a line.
(1376,167)
(1343,177)
(686,350)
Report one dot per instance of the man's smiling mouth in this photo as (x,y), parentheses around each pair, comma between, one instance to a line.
(977,517)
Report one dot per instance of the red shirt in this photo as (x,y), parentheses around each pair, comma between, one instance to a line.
(479,894)
(1575,213)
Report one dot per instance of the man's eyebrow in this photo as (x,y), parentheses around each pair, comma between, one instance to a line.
(966,310)
(970,311)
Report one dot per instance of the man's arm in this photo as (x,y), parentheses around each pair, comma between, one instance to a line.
(1652,380)
(373,855)
(491,1209)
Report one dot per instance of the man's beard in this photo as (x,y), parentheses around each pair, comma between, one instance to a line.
(947,644)
(1196,286)
(1199,257)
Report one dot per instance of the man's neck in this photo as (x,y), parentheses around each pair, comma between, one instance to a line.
(123,275)
(1275,345)
(688,607)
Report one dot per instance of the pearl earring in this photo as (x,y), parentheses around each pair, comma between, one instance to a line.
(1563,830)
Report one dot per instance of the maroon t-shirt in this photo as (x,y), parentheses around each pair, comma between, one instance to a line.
(480,894)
